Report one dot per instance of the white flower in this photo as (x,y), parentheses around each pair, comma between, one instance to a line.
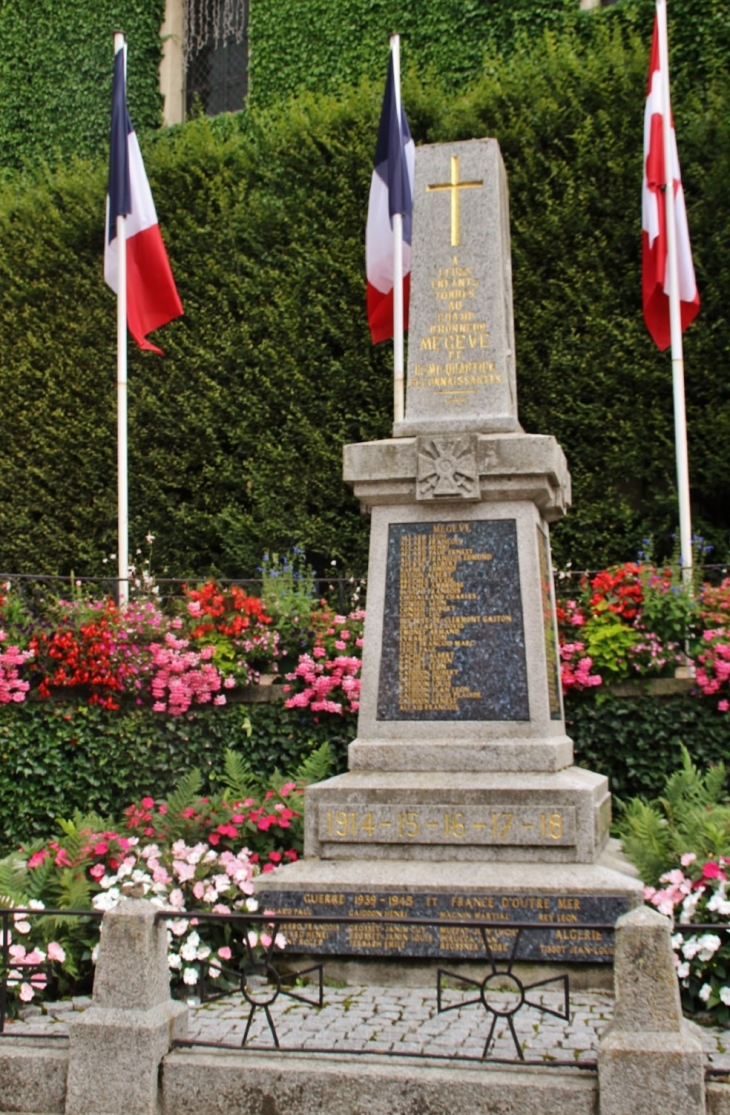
(677,940)
(704,992)
(35,904)
(251,905)
(190,976)
(709,944)
(174,961)
(689,905)
(719,904)
(683,970)
(203,953)
(188,952)
(22,926)
(725,996)
(108,881)
(106,901)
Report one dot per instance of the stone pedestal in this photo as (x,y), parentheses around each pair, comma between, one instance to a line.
(116,1047)
(650,1059)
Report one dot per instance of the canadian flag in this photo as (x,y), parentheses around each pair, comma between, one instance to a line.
(655,269)
(152,298)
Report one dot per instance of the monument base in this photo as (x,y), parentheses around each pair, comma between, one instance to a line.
(558,817)
(573,900)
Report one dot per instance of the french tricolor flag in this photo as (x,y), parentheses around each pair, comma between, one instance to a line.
(391,192)
(152,298)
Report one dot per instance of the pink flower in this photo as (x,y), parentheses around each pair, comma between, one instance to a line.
(97,871)
(723,705)
(147,803)
(224,952)
(37,858)
(56,952)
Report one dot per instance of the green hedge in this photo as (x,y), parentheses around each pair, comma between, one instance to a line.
(57,757)
(636,741)
(56,74)
(236,436)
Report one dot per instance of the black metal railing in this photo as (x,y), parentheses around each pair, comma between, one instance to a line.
(15,971)
(33,588)
(265,979)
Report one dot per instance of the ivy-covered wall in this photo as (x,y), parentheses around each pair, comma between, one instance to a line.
(56,74)
(320,45)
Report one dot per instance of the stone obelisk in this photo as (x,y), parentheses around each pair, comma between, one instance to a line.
(461,798)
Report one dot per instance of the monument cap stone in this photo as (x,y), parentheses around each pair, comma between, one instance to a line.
(461,352)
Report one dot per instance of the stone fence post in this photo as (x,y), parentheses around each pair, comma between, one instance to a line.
(650,1060)
(116,1046)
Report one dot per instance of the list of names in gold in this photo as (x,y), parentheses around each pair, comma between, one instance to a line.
(430,628)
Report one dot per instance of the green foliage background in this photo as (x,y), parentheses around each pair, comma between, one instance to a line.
(59,756)
(236,435)
(56,74)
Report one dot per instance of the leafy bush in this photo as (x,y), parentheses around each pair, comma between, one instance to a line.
(637,741)
(186,853)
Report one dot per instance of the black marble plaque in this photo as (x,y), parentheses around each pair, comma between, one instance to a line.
(550,628)
(571,938)
(453,637)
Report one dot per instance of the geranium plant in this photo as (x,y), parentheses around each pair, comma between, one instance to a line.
(328,679)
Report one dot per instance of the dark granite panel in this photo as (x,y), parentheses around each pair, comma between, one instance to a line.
(453,635)
(572,940)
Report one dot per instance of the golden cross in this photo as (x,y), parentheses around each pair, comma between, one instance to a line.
(455,185)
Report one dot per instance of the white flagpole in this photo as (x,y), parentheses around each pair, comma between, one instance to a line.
(675,323)
(398,362)
(122,469)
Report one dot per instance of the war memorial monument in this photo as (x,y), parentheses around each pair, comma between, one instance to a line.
(461,801)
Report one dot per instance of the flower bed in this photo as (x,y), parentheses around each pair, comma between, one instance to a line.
(189,853)
(640,621)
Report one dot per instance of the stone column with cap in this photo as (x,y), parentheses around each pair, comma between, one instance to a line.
(650,1059)
(117,1045)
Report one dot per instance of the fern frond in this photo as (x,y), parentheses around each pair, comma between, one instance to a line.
(13,881)
(185,793)
(74,891)
(316,767)
(238,777)
(646,839)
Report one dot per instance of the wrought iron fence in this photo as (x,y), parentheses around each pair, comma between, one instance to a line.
(36,588)
(33,967)
(266,979)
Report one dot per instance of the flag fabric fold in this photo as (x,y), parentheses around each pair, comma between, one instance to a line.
(391,192)
(655,270)
(152,298)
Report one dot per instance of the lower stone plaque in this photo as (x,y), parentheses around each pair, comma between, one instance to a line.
(385,931)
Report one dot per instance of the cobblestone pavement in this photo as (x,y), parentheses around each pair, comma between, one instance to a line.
(394,1020)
